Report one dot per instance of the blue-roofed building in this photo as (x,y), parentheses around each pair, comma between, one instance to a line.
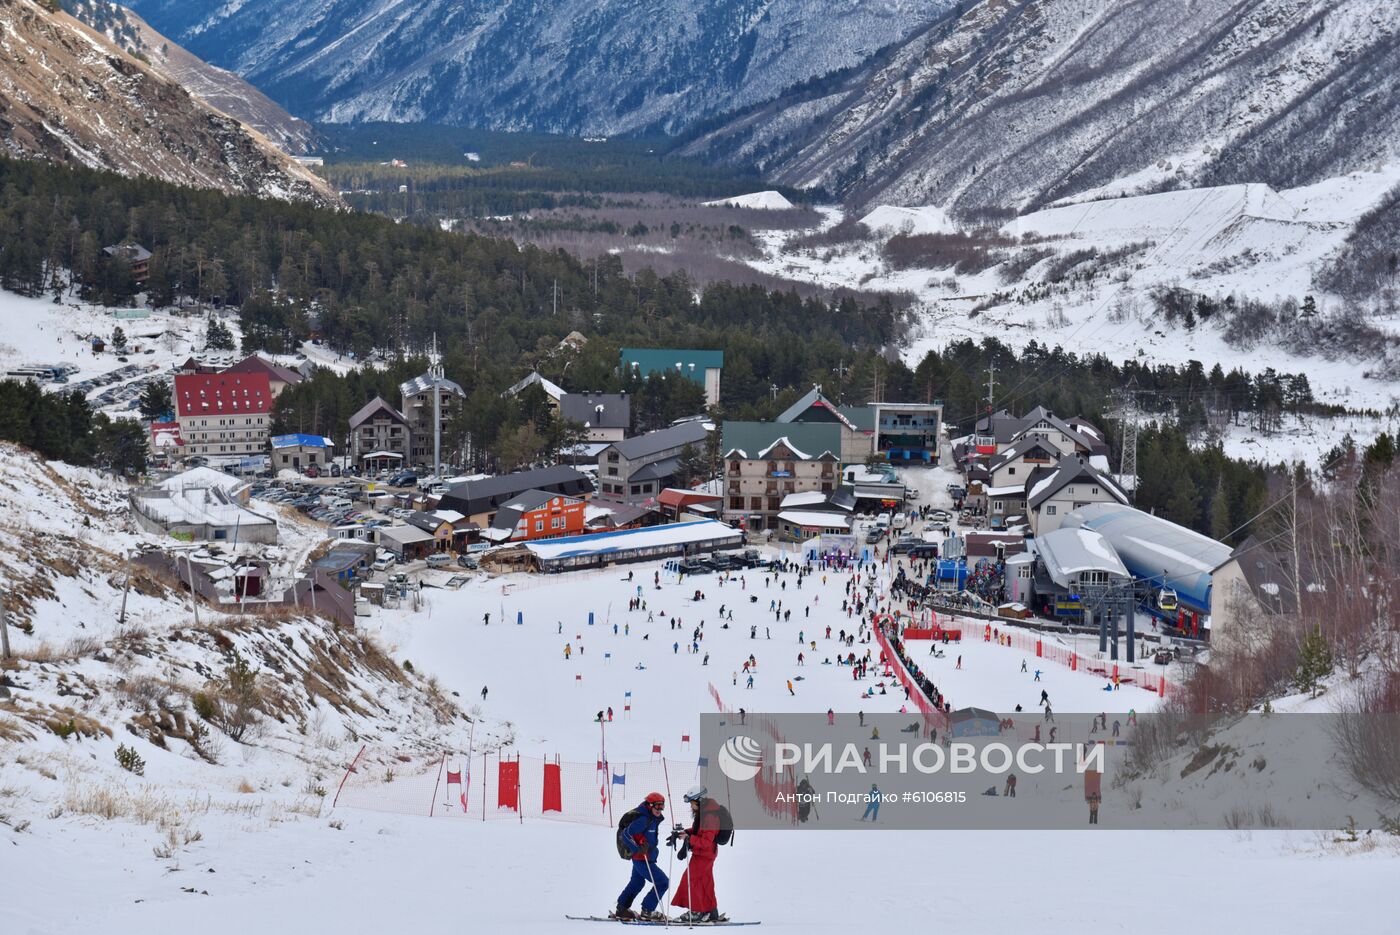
(630,545)
(1159,554)
(703,367)
(298,452)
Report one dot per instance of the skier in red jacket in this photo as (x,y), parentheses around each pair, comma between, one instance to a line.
(696,890)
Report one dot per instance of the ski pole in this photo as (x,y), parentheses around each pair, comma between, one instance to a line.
(659,895)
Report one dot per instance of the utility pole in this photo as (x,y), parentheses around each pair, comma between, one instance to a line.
(194,604)
(991,387)
(126,587)
(435,371)
(1127,461)
(4,630)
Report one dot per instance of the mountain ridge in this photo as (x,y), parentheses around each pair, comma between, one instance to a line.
(588,67)
(1019,103)
(69,95)
(216,86)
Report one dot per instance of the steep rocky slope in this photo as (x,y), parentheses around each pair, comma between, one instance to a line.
(1018,103)
(68,95)
(579,66)
(215,86)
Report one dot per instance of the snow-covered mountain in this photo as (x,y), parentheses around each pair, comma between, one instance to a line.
(1293,279)
(1018,103)
(68,95)
(585,66)
(215,86)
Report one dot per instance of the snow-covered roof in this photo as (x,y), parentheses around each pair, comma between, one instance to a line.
(424,382)
(701,531)
(806,498)
(1006,491)
(200,505)
(1157,549)
(1070,551)
(816,519)
(404,535)
(1071,470)
(553,390)
(801,455)
(301,441)
(202,477)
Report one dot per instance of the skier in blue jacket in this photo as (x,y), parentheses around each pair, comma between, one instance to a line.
(640,839)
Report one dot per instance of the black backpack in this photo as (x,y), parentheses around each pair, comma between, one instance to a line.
(725,835)
(624,846)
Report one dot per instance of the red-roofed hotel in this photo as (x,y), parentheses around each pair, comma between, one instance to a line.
(223,415)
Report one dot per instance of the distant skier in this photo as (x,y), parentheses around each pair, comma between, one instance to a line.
(696,890)
(804,806)
(872,810)
(483,693)
(639,840)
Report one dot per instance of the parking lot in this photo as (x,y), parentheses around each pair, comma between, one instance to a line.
(343,505)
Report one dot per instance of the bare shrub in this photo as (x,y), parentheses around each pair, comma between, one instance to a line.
(1020,263)
(236,699)
(848,230)
(965,253)
(1367,735)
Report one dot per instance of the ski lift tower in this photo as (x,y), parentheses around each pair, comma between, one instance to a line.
(1108,604)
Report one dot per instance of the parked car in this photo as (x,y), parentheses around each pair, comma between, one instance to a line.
(439,560)
(383,565)
(923,551)
(466,561)
(874,536)
(693,568)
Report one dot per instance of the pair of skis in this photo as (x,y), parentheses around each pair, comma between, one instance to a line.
(672,922)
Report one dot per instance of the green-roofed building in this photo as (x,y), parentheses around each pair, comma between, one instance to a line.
(767,461)
(856,423)
(704,367)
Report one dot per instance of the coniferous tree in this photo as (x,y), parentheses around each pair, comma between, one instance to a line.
(155,399)
(1314,662)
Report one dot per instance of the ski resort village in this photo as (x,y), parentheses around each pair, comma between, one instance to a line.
(514,467)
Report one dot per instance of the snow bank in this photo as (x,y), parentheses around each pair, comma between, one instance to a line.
(891,219)
(762,201)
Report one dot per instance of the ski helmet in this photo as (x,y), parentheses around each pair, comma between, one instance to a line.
(695,793)
(654,798)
